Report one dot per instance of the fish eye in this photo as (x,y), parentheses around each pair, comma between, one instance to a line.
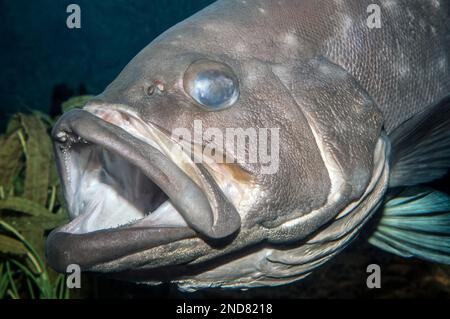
(211,84)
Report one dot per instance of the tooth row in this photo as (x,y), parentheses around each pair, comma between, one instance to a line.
(69,139)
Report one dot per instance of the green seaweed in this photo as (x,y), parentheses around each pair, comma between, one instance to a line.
(30,280)
(10,245)
(76,102)
(11,160)
(30,206)
(38,159)
(25,206)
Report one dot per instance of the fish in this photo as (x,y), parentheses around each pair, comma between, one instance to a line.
(338,112)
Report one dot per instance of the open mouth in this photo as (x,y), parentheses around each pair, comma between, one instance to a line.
(106,191)
(127,189)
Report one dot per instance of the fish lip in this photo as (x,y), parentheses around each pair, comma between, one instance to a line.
(90,249)
(102,246)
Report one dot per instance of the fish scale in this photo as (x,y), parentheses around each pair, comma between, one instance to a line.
(363,117)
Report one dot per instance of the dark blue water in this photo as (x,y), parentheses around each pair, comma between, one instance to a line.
(42,61)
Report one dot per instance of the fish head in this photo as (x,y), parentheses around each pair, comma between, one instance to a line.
(197,156)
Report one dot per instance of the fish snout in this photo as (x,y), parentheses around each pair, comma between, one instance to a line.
(122,180)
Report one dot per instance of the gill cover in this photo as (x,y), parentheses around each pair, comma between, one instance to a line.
(347,127)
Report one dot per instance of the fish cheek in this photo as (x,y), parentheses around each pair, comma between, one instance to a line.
(299,182)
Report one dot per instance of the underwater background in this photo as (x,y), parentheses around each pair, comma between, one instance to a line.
(43,62)
(49,68)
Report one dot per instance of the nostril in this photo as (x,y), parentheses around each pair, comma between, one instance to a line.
(151,90)
(157,87)
(160,86)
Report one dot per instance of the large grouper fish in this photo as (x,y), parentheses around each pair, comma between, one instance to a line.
(356,92)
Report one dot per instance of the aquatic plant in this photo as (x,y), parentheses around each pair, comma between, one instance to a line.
(31,279)
(30,206)
(75,102)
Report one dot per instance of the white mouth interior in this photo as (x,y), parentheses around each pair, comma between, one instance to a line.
(105,191)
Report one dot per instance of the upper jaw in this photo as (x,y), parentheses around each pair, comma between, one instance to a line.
(196,204)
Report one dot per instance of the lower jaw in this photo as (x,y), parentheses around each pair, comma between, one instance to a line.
(91,246)
(95,248)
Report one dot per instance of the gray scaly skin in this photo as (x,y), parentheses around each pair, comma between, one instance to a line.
(336,89)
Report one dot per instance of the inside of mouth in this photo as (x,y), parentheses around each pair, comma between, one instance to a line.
(105,191)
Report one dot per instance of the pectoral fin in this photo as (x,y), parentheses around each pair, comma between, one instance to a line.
(421,147)
(416,223)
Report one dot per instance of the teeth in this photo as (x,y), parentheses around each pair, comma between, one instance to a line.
(61,136)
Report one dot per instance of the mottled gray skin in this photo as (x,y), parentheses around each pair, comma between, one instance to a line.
(335,87)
